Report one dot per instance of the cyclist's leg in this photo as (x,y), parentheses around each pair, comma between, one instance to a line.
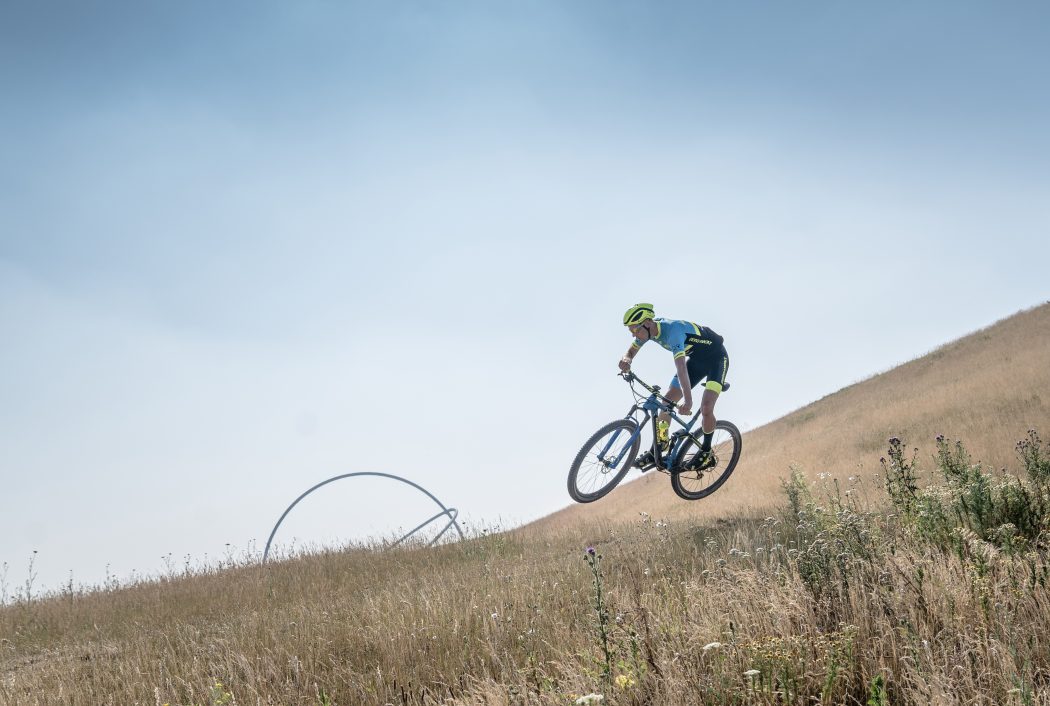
(716,378)
(697,370)
(707,409)
(674,393)
(663,419)
(663,426)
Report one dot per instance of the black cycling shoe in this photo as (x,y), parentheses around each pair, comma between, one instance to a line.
(648,460)
(703,461)
(645,461)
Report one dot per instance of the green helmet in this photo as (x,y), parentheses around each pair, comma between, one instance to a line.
(637,314)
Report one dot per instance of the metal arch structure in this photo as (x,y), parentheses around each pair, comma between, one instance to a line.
(450,512)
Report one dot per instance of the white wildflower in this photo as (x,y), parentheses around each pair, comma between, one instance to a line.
(712,646)
(752,673)
(590,699)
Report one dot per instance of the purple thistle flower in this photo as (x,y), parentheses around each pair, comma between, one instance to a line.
(590,550)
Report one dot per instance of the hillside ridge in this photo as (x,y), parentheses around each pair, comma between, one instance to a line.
(845,432)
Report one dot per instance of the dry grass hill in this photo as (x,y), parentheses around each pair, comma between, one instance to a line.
(895,594)
(987,389)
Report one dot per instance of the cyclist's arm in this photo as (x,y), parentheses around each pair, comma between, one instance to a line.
(683,378)
(625,362)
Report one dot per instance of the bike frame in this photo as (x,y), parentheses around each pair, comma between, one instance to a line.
(651,407)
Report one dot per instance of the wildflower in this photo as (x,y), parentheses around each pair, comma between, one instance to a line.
(712,646)
(590,550)
(590,699)
(624,682)
(752,673)
(495,616)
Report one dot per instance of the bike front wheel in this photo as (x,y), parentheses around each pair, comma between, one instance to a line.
(604,460)
(696,475)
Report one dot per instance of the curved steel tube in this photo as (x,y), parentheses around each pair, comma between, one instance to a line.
(452,513)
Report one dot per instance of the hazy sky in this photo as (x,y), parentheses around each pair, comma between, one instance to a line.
(248,246)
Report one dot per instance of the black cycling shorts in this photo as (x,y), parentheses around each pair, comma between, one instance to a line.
(713,365)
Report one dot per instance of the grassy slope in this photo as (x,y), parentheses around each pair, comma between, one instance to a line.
(509,619)
(987,388)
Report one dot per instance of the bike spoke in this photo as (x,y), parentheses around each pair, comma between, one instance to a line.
(594,473)
(695,481)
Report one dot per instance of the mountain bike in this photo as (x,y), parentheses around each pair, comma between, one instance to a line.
(610,453)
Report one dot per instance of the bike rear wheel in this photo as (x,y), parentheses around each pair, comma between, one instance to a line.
(591,477)
(692,484)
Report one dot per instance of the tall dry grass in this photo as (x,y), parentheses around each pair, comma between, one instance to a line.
(840,597)
(831,599)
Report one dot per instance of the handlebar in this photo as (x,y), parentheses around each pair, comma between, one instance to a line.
(631,378)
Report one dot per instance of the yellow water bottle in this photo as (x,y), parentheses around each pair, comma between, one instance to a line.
(661,431)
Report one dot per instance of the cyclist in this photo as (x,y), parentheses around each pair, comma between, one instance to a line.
(698,353)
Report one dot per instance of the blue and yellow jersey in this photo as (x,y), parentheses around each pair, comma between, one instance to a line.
(683,338)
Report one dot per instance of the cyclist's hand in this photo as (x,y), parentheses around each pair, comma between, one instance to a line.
(685,409)
(625,365)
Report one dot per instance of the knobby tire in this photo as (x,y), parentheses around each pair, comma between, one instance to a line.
(728,453)
(609,478)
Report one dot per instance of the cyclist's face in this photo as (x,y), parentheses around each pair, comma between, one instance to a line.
(640,331)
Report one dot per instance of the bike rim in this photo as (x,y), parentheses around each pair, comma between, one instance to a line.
(594,474)
(693,481)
